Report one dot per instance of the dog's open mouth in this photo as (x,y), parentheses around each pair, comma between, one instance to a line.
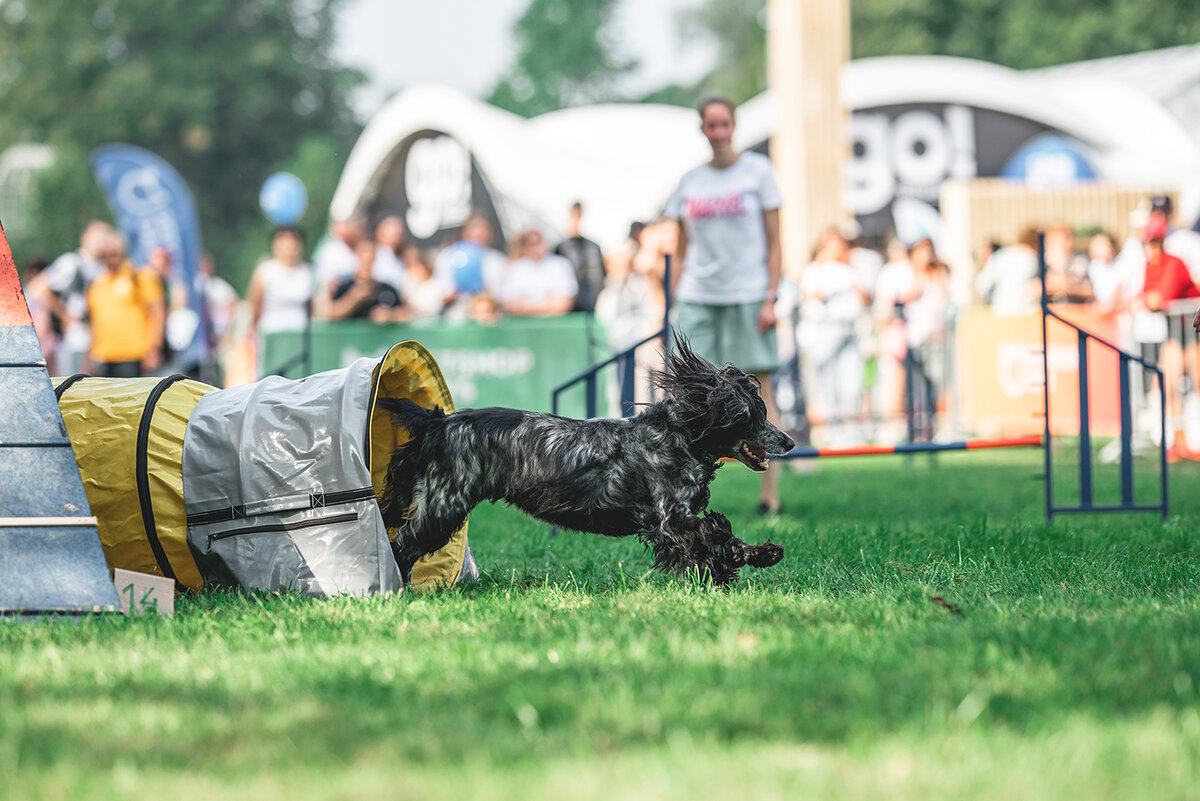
(752,456)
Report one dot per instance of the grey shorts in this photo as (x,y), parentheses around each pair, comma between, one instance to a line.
(729,334)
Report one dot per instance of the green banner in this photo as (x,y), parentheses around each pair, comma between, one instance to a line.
(515,363)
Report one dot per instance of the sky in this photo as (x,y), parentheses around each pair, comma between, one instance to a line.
(467,44)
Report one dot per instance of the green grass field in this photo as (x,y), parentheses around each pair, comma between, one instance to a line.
(1071,668)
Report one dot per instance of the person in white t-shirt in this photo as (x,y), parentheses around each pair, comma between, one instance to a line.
(334,261)
(536,282)
(63,287)
(832,298)
(281,287)
(390,239)
(1007,281)
(728,261)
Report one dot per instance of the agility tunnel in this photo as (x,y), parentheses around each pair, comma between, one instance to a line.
(267,486)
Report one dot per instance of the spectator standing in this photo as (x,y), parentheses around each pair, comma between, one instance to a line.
(894,286)
(174,299)
(536,282)
(925,312)
(630,307)
(1104,271)
(726,280)
(63,288)
(39,310)
(1182,243)
(220,300)
(866,262)
(425,297)
(1005,281)
(623,305)
(362,295)
(1066,271)
(281,288)
(126,310)
(1166,280)
(831,301)
(470,266)
(586,258)
(390,239)
(334,260)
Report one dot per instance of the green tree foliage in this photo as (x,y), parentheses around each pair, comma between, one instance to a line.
(317,161)
(738,27)
(1021,34)
(565,57)
(223,90)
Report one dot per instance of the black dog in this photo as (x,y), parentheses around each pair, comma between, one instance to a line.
(647,475)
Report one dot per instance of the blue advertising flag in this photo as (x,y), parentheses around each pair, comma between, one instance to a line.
(154,209)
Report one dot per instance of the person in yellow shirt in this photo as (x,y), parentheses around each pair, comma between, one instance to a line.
(126,310)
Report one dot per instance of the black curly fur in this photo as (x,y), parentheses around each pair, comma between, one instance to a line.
(646,476)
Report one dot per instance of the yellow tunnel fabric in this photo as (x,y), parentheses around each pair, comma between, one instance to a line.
(104,417)
(408,370)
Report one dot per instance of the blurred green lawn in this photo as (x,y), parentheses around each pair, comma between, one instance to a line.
(571,671)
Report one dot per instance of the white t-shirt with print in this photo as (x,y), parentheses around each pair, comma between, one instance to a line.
(721,210)
(537,281)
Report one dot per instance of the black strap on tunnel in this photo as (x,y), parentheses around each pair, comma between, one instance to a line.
(66,383)
(142,474)
(316,500)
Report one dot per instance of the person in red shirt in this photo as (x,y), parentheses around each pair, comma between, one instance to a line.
(1167,277)
(1166,280)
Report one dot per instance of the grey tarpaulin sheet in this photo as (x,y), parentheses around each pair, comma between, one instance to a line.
(277,491)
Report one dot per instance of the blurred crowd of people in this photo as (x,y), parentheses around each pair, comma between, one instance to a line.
(862,336)
(381,276)
(97,312)
(1150,270)
(1148,283)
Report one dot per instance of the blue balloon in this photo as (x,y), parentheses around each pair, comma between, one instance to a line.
(283,198)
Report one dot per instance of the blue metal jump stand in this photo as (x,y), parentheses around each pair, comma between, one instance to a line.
(1126,361)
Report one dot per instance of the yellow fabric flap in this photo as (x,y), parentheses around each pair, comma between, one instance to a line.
(408,370)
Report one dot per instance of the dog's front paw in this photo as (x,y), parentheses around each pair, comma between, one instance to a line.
(763,555)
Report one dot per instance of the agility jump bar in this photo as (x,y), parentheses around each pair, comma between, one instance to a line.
(1031,441)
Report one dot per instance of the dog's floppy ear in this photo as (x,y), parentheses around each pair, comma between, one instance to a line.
(730,401)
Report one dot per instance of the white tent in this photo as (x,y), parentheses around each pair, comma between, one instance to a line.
(432,154)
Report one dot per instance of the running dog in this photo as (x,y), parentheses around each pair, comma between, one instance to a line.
(646,476)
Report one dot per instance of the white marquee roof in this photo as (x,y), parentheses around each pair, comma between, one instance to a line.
(623,160)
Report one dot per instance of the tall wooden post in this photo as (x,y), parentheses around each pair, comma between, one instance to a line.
(808,41)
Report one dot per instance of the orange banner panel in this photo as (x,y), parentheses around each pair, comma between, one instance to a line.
(1000,373)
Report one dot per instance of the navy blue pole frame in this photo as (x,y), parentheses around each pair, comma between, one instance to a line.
(1126,362)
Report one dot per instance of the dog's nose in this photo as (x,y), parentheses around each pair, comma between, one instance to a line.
(785,443)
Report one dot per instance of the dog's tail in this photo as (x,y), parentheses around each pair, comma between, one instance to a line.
(405,464)
(408,414)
